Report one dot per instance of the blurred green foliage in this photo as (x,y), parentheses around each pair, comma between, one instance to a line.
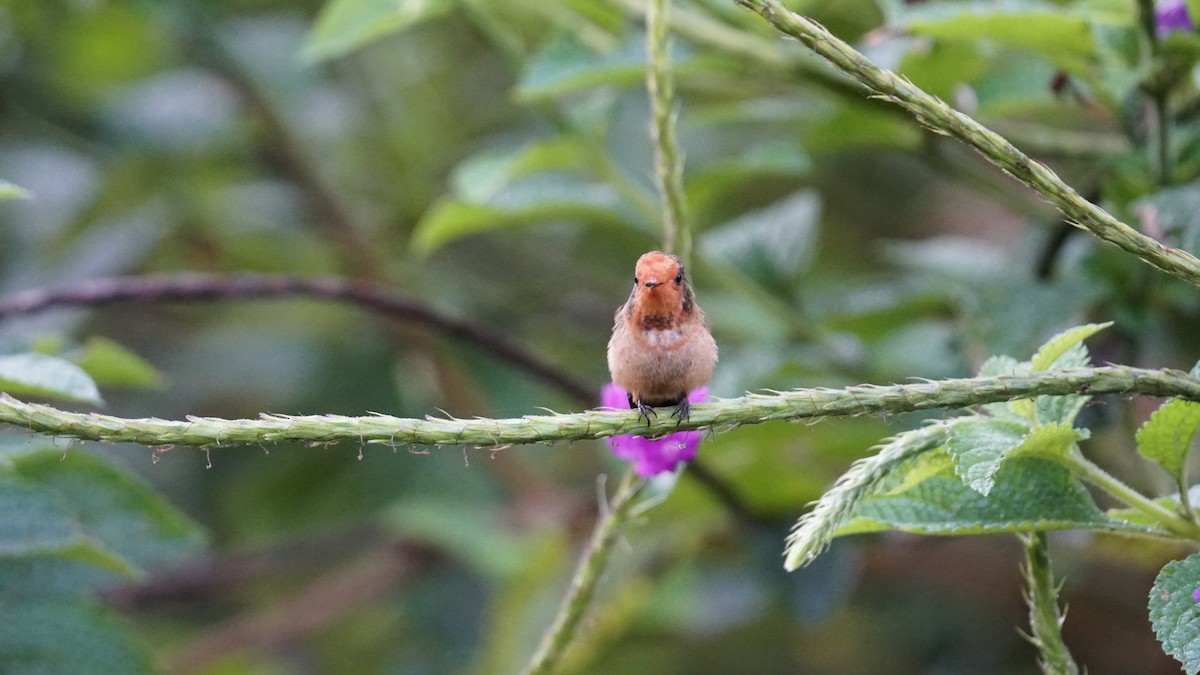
(492,159)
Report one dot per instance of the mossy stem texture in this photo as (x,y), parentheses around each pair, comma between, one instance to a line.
(798,404)
(938,116)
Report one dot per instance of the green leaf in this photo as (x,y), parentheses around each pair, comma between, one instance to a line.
(34,522)
(471,532)
(1064,350)
(1057,34)
(52,638)
(536,199)
(1028,494)
(11,191)
(1175,614)
(1167,435)
(345,25)
(566,65)
(781,236)
(484,177)
(999,365)
(110,364)
(979,446)
(112,508)
(46,376)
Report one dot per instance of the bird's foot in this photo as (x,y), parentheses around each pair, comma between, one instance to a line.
(683,410)
(645,411)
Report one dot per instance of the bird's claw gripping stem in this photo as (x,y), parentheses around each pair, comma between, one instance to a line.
(682,410)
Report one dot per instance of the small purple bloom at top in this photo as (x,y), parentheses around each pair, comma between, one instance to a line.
(1171,16)
(651,457)
(1196,595)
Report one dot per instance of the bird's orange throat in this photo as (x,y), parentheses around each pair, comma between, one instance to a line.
(659,307)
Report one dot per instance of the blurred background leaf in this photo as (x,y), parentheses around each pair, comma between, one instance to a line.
(492,160)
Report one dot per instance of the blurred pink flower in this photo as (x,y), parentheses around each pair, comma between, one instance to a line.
(651,457)
(1172,16)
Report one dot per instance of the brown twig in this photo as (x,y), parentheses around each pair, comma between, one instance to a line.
(199,287)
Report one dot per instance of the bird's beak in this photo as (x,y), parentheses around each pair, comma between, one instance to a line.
(651,283)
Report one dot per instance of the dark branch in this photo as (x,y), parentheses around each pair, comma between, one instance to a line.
(370,296)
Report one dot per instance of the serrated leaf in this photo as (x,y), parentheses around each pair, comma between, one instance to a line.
(109,363)
(1175,613)
(1167,435)
(1059,409)
(66,638)
(1019,410)
(918,470)
(999,365)
(39,375)
(345,25)
(1063,350)
(11,191)
(1028,494)
(978,447)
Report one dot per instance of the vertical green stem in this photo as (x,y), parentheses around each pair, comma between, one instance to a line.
(677,237)
(1162,144)
(1158,98)
(1045,619)
(563,630)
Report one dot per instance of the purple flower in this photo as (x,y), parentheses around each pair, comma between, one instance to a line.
(660,455)
(1171,16)
(1196,595)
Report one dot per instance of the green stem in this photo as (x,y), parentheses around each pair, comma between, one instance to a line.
(798,404)
(941,118)
(583,585)
(668,165)
(1045,620)
(1185,500)
(1166,517)
(1162,145)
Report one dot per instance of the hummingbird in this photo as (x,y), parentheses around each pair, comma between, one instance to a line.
(661,348)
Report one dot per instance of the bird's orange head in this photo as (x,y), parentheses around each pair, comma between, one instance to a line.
(660,288)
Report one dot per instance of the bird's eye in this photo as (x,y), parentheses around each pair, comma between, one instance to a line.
(635,281)
(679,278)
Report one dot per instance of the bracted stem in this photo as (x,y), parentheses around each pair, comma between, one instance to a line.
(668,159)
(565,627)
(798,404)
(934,113)
(1045,619)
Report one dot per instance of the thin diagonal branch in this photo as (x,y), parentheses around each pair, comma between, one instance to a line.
(370,296)
(583,584)
(941,118)
(799,404)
